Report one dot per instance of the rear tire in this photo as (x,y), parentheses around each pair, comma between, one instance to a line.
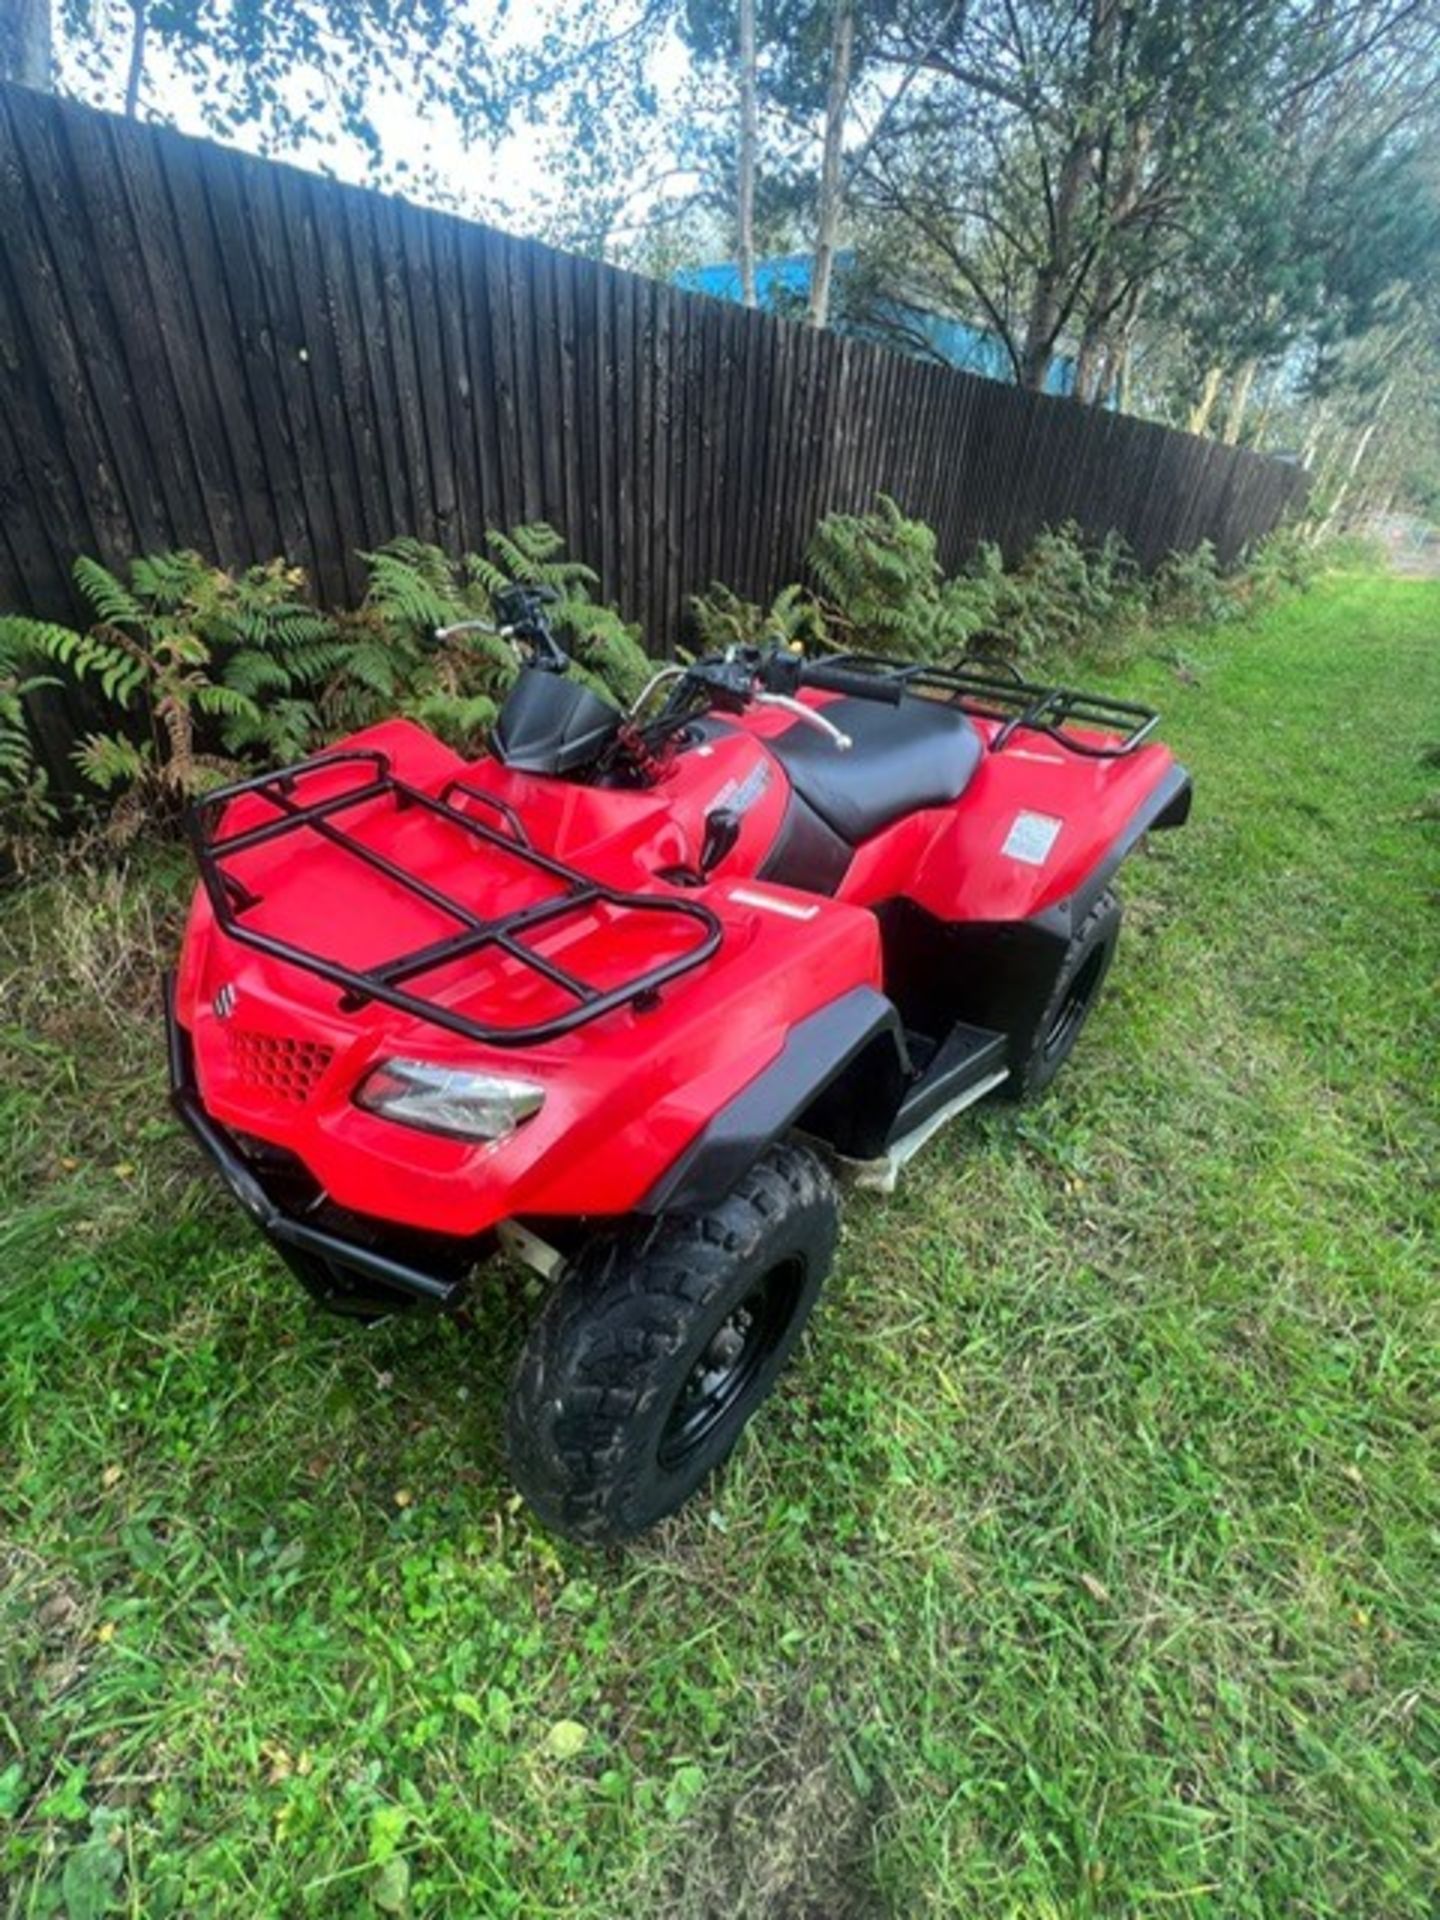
(657,1345)
(1040,1050)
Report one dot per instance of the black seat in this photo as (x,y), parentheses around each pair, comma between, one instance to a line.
(918,754)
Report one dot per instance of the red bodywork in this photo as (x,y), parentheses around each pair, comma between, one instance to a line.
(278,1060)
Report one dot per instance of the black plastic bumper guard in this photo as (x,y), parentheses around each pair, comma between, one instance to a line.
(341,1273)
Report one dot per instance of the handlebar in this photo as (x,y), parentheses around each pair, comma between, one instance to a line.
(742,675)
(522,617)
(858,686)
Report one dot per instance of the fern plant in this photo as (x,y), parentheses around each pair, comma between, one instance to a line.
(968,603)
(201,667)
(721,619)
(393,663)
(1189,586)
(882,589)
(606,648)
(1286,560)
(25,804)
(1066,593)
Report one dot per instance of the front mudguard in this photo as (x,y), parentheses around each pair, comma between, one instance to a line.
(813,1080)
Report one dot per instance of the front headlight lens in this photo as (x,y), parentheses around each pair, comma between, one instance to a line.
(475,1106)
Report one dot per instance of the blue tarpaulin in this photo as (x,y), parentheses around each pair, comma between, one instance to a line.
(782,285)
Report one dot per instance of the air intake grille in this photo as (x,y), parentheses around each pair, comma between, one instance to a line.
(284,1066)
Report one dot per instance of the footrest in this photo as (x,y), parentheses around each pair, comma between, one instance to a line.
(967,1060)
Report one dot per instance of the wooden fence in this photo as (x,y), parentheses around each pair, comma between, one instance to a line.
(202,349)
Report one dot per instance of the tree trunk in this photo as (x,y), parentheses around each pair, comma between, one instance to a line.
(1088,363)
(1239,400)
(1200,413)
(137,58)
(26,49)
(1046,317)
(1104,351)
(1114,304)
(842,48)
(1360,449)
(749,141)
(1058,277)
(1116,375)
(1122,368)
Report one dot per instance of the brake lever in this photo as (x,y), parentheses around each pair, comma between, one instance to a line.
(642,698)
(443,634)
(811,716)
(544,651)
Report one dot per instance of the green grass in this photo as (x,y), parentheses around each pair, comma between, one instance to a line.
(1085,1565)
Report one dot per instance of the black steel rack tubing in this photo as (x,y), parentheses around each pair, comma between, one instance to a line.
(230,898)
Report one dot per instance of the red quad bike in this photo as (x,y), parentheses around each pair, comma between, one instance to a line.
(615,997)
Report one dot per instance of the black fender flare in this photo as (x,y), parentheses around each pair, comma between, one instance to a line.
(1001,973)
(816,1052)
(1166,805)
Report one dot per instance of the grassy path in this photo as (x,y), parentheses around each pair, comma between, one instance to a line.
(1087,1564)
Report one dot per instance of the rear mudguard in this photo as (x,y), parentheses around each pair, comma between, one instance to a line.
(1166,805)
(1037,835)
(1000,972)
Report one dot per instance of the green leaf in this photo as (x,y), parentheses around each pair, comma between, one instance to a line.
(388,1827)
(566,1739)
(12,1790)
(577,1596)
(67,1801)
(90,1879)
(687,1783)
(390,1889)
(110,599)
(470,1707)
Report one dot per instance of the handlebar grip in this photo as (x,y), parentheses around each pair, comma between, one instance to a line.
(859,686)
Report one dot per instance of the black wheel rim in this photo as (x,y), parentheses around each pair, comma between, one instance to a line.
(1070,1016)
(733,1358)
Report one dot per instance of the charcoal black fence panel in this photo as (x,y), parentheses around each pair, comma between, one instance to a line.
(198,348)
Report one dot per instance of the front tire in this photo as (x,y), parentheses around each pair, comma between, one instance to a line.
(657,1345)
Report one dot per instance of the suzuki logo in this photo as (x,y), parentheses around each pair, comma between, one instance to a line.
(224,1001)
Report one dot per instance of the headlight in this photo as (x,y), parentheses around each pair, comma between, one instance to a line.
(477,1106)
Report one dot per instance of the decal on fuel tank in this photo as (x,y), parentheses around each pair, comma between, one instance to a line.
(1031,837)
(738,796)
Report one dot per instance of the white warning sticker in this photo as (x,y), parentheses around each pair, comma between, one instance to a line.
(787,909)
(1031,837)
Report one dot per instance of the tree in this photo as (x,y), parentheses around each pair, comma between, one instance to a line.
(1063,162)
(26,49)
(817,67)
(749,140)
(1046,158)
(282,73)
(831,185)
(1319,222)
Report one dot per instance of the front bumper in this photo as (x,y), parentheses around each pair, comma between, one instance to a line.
(341,1271)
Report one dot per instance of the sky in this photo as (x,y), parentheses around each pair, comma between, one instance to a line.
(511,183)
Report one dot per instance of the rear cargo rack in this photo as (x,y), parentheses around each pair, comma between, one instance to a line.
(994,691)
(231,899)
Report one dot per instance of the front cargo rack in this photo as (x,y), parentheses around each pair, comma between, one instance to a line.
(230,898)
(994,691)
